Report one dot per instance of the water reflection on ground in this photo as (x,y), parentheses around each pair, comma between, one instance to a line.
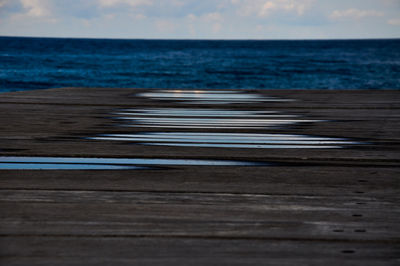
(69,163)
(207,118)
(210,96)
(230,140)
(217,118)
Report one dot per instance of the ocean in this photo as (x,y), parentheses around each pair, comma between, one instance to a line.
(40,63)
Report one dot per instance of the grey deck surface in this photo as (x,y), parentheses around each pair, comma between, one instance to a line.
(306,207)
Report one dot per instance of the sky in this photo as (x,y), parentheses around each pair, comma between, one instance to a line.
(201,19)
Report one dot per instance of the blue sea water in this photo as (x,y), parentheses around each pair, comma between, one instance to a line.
(38,63)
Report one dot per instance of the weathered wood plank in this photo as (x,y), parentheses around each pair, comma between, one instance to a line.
(189,251)
(229,212)
(168,227)
(210,199)
(308,99)
(75,146)
(186,214)
(372,182)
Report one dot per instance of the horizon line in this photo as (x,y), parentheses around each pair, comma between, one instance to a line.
(205,39)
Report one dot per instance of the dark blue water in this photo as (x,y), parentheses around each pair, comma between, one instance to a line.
(38,63)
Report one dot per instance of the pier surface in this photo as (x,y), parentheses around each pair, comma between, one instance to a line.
(279,178)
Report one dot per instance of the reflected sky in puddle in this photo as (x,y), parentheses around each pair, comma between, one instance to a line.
(59,166)
(208,118)
(210,96)
(192,118)
(234,140)
(244,146)
(213,122)
(184,112)
(67,163)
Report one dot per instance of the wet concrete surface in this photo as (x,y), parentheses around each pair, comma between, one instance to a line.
(330,196)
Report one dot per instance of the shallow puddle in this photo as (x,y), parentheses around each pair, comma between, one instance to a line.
(209,118)
(205,118)
(244,146)
(185,112)
(59,166)
(234,140)
(67,163)
(211,122)
(209,96)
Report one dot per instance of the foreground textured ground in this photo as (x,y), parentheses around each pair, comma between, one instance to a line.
(296,205)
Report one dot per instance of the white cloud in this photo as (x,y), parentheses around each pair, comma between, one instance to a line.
(285,5)
(140,16)
(212,16)
(217,27)
(36,8)
(394,22)
(267,8)
(191,17)
(165,26)
(33,11)
(263,8)
(391,3)
(355,14)
(178,3)
(131,3)
(3,3)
